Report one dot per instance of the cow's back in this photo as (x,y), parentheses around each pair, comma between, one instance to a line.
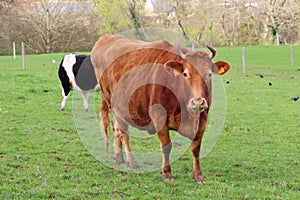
(111,47)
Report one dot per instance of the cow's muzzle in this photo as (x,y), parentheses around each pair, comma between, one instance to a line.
(197,104)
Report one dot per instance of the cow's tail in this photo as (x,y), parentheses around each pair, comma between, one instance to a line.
(105,122)
(106,139)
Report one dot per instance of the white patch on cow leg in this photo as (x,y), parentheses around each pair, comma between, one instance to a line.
(85,96)
(64,101)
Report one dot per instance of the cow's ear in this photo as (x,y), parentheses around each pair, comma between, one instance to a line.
(222,67)
(174,67)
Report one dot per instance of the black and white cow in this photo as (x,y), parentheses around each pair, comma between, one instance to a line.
(76,72)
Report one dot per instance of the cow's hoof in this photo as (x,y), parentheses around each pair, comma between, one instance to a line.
(169,180)
(119,158)
(167,176)
(200,180)
(61,109)
(120,161)
(133,165)
(166,173)
(86,110)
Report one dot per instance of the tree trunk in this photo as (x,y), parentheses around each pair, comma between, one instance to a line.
(277,39)
(182,29)
(135,19)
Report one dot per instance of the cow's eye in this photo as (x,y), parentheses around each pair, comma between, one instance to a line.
(209,75)
(185,74)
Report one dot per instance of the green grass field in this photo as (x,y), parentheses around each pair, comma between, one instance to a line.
(256,157)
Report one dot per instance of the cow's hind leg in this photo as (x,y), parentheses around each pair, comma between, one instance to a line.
(121,136)
(166,146)
(118,153)
(64,100)
(85,101)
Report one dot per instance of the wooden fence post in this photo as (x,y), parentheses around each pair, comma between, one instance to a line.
(14,50)
(292,55)
(243,60)
(23,56)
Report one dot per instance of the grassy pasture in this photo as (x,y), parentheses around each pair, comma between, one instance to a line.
(256,157)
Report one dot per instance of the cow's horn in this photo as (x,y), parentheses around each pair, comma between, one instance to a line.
(213,51)
(180,53)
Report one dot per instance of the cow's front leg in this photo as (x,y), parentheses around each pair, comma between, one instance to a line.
(196,146)
(166,146)
(197,173)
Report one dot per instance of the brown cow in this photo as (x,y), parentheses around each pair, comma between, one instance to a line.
(157,87)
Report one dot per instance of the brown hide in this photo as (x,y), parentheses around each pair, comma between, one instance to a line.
(153,85)
(123,56)
(150,86)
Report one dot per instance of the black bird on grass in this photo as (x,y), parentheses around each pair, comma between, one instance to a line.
(260,75)
(295,98)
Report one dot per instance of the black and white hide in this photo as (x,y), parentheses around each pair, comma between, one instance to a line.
(76,72)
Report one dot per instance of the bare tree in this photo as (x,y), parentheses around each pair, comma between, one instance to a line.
(52,26)
(289,29)
(231,18)
(273,13)
(5,13)
(119,15)
(202,18)
(5,4)
(134,7)
(63,25)
(113,15)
